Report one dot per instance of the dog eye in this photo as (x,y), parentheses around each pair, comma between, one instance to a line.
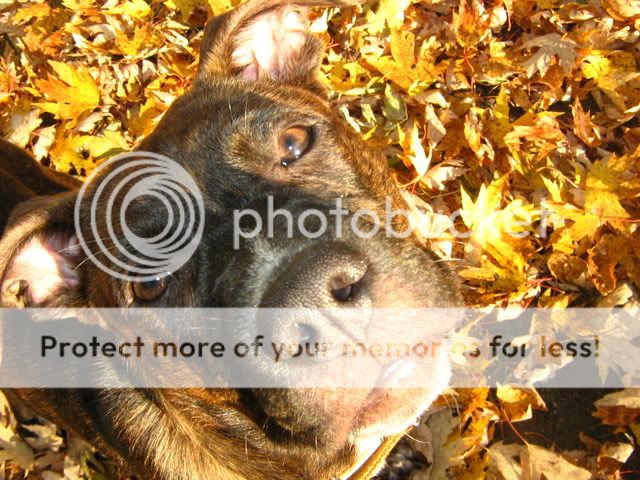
(293,144)
(150,290)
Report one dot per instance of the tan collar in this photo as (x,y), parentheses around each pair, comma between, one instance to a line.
(376,461)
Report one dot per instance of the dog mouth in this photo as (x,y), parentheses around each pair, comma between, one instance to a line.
(379,413)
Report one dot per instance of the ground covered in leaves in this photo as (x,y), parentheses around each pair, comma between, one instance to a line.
(497,116)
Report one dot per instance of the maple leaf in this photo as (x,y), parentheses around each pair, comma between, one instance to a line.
(611,71)
(132,46)
(470,23)
(499,125)
(550,46)
(73,93)
(403,67)
(498,232)
(584,128)
(135,9)
(389,12)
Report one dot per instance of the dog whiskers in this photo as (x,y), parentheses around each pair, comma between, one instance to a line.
(91,256)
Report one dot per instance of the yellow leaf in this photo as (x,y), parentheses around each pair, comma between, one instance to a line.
(147,118)
(553,188)
(29,11)
(136,9)
(518,403)
(395,109)
(185,7)
(611,71)
(389,12)
(472,132)
(402,45)
(474,214)
(415,153)
(84,151)
(500,125)
(218,7)
(601,197)
(498,235)
(131,47)
(71,94)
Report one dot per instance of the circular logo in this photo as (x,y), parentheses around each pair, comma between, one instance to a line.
(126,195)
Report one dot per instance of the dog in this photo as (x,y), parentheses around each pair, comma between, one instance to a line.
(256,123)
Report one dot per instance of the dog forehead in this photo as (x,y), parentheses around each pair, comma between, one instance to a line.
(229,93)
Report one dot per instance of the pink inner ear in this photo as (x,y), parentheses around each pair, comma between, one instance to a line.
(269,42)
(44,265)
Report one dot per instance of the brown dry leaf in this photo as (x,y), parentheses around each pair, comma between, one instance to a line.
(612,456)
(503,461)
(619,408)
(622,9)
(541,464)
(12,447)
(551,46)
(584,128)
(518,403)
(470,23)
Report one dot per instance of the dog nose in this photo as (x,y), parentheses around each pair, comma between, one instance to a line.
(329,276)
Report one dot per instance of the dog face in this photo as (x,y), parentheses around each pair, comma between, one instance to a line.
(255,124)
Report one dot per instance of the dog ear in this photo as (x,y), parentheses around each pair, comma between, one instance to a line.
(266,39)
(40,255)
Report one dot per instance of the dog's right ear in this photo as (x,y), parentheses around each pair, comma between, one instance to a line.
(40,255)
(266,39)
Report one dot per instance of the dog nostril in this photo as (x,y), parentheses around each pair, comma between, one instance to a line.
(344,291)
(343,294)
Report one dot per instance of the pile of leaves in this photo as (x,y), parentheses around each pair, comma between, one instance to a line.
(512,125)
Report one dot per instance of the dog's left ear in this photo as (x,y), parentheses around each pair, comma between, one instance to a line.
(40,255)
(266,39)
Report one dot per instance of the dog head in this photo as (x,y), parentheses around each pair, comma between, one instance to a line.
(256,125)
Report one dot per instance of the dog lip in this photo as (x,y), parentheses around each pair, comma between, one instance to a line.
(394,373)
